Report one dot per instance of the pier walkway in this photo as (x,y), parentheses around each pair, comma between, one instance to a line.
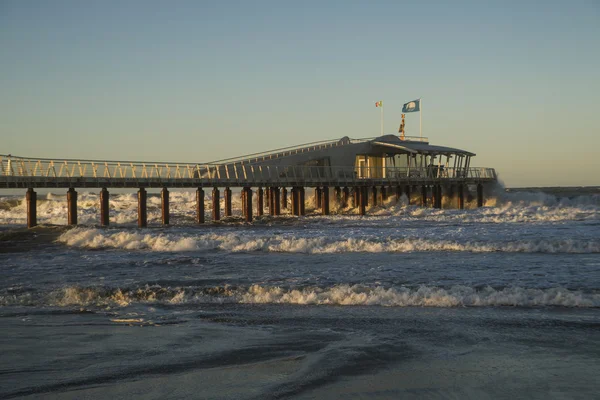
(23,172)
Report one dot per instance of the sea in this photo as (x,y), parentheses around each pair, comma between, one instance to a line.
(498,302)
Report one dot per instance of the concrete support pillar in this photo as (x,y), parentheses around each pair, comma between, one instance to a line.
(200,206)
(247,204)
(227,198)
(317,197)
(72,206)
(374,196)
(142,209)
(164,201)
(31,198)
(216,204)
(345,196)
(479,195)
(423,196)
(301,199)
(104,207)
(325,200)
(284,196)
(259,202)
(362,200)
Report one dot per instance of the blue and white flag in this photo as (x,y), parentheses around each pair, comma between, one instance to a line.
(412,106)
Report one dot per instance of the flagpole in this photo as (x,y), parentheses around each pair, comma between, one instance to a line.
(421,118)
(381,118)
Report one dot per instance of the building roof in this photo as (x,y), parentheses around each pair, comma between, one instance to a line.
(415,146)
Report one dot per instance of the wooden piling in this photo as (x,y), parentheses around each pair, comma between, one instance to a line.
(164,202)
(436,191)
(325,200)
(277,200)
(247,191)
(72,206)
(200,206)
(31,198)
(295,201)
(317,197)
(461,197)
(259,202)
(104,207)
(423,196)
(216,204)
(227,198)
(362,200)
(373,199)
(451,194)
(301,199)
(142,208)
(284,199)
(383,195)
(337,194)
(479,195)
(398,193)
(268,196)
(345,196)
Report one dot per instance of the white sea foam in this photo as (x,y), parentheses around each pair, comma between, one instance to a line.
(344,295)
(239,242)
(502,207)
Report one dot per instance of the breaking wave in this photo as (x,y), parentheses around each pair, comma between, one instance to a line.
(92,238)
(339,295)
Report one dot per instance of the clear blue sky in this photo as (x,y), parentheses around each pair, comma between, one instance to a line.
(517,82)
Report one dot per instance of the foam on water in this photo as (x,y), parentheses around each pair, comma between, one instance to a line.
(339,295)
(502,207)
(238,242)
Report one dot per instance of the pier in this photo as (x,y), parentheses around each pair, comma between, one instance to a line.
(369,181)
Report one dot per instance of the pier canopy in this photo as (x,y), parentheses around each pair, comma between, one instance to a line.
(380,157)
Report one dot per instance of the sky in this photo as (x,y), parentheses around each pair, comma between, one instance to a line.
(516,82)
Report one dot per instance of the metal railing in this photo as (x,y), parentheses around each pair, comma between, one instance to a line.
(22,171)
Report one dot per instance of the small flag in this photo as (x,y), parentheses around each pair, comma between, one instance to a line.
(379,103)
(412,106)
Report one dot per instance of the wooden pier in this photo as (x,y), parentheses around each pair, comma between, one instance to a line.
(255,181)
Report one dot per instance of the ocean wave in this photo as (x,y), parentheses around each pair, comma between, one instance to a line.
(93,238)
(339,295)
